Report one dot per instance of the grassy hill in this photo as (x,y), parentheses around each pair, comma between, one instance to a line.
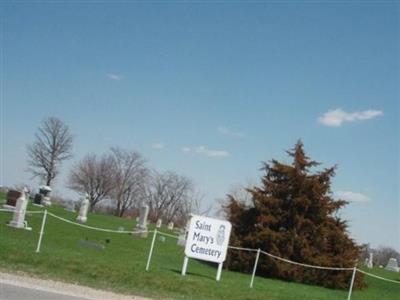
(121,265)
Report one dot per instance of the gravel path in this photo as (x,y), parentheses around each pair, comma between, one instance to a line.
(63,289)
(13,292)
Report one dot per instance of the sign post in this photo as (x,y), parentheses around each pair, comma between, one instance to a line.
(219,271)
(184,267)
(207,240)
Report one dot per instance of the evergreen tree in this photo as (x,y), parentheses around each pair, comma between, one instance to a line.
(293,215)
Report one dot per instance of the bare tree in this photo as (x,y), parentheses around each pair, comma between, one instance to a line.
(129,179)
(94,176)
(170,196)
(52,145)
(193,204)
(241,191)
(236,191)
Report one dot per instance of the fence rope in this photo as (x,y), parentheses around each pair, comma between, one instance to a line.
(97,228)
(306,265)
(28,211)
(378,277)
(244,249)
(167,234)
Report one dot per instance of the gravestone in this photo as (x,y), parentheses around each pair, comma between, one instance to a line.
(142,224)
(161,238)
(45,191)
(370,261)
(83,210)
(392,265)
(183,235)
(18,220)
(121,229)
(12,196)
(171,225)
(37,200)
(92,245)
(366,261)
(159,223)
(43,197)
(181,240)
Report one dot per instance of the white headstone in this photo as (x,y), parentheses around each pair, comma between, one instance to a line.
(18,220)
(82,217)
(183,233)
(46,196)
(182,240)
(366,261)
(370,263)
(171,225)
(159,223)
(161,238)
(392,265)
(142,224)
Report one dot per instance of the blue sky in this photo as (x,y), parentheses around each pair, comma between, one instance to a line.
(211,90)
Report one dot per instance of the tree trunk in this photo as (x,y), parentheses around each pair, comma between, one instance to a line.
(48,179)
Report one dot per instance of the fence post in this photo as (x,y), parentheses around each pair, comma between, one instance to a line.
(184,267)
(41,231)
(352,282)
(219,271)
(151,249)
(255,268)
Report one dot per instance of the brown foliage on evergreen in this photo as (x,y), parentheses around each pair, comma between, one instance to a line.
(293,215)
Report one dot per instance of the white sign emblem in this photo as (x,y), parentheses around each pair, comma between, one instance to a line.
(208,239)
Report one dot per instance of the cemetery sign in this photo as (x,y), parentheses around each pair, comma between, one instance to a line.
(208,239)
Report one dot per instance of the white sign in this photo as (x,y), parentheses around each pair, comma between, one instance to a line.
(208,239)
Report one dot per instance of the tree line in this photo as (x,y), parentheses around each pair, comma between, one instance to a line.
(119,176)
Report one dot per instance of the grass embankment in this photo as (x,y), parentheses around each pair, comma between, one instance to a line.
(121,266)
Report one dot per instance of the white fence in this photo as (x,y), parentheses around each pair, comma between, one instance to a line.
(155,232)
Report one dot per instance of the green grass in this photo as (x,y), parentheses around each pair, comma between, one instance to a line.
(121,266)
